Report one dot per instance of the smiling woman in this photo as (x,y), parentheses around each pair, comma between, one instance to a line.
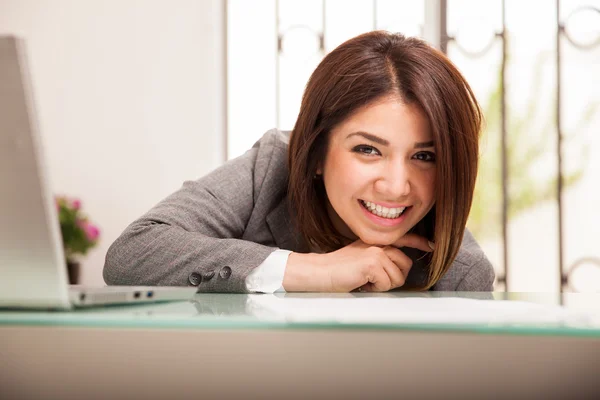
(371,190)
(389,173)
(397,95)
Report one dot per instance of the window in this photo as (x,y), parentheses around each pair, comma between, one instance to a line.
(532,64)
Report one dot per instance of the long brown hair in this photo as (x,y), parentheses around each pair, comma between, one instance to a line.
(359,72)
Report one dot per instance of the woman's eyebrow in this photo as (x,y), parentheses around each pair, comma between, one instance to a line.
(422,145)
(383,142)
(370,137)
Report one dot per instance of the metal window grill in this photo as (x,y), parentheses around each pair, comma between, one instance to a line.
(439,8)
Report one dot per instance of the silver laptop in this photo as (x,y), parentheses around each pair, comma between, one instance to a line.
(33,270)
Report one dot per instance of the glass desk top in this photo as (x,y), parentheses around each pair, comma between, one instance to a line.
(567,314)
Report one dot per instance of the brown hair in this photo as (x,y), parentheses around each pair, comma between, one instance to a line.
(359,72)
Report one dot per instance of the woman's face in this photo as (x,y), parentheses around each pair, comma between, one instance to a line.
(379,172)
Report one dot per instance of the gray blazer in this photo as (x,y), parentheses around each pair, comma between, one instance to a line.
(214,231)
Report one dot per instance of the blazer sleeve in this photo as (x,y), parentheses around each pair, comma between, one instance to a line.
(193,236)
(479,278)
(471,271)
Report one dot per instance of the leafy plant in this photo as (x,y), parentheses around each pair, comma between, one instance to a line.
(527,147)
(79,235)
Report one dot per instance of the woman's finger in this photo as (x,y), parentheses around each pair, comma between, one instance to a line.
(379,279)
(399,267)
(415,241)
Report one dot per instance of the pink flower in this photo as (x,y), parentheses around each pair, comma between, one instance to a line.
(91,231)
(76,204)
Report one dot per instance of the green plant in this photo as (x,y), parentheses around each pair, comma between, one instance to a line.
(78,234)
(526,146)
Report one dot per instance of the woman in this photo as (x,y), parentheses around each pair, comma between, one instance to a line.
(371,191)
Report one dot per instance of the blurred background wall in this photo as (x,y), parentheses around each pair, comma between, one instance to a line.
(134,97)
(130,100)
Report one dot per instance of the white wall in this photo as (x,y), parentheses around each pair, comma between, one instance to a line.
(130,97)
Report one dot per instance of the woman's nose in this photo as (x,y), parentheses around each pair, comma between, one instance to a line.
(394,182)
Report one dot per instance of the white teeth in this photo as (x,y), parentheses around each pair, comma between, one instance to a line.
(384,212)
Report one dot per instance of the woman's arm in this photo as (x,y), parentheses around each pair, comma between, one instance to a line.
(193,236)
(355,266)
(479,278)
(471,271)
(480,275)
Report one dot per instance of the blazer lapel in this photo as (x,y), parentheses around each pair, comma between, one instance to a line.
(284,232)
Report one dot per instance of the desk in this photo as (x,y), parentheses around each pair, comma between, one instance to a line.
(262,346)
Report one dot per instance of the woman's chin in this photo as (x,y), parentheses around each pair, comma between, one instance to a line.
(379,240)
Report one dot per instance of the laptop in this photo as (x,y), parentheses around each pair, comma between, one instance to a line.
(33,271)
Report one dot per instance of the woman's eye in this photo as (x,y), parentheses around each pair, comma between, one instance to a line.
(426,156)
(367,150)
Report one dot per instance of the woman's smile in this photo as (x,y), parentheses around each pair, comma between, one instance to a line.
(379,171)
(384,216)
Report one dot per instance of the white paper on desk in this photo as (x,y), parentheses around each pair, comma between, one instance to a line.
(448,310)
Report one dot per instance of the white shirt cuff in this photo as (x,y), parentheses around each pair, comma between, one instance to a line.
(268,276)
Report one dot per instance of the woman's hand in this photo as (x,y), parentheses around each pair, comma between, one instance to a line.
(358,265)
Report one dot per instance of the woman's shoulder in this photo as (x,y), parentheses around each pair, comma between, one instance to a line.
(274,138)
(262,169)
(268,154)
(471,269)
(273,143)
(263,165)
(270,148)
(270,165)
